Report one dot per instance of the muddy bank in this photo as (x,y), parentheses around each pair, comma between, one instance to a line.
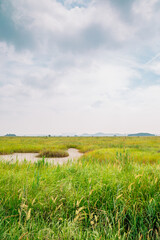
(31,157)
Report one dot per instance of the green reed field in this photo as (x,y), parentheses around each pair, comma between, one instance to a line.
(111,192)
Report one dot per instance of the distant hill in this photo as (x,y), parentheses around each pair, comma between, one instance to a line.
(100,134)
(10,135)
(141,135)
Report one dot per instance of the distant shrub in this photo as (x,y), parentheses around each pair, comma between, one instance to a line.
(53,153)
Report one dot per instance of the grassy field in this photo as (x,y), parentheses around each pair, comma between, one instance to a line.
(84,144)
(111,192)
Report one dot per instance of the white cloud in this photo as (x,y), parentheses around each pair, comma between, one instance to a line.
(155,67)
(145,8)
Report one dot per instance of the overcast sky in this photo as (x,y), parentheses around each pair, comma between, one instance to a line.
(75,66)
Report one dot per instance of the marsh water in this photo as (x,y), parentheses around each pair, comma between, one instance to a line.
(31,157)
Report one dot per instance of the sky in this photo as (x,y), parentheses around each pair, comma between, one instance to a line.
(77,66)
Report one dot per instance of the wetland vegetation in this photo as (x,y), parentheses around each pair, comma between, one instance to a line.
(53,154)
(111,192)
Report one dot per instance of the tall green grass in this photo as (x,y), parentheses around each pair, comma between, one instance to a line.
(111,192)
(117,198)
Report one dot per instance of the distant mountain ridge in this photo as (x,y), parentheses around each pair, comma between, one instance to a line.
(141,135)
(100,134)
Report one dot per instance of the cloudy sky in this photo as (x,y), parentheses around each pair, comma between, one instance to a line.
(75,66)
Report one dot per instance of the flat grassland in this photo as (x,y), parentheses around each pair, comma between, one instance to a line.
(111,192)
